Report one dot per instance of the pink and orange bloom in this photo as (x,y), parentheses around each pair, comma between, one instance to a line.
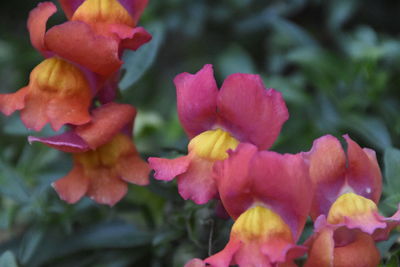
(96,35)
(347,190)
(216,121)
(264,192)
(105,158)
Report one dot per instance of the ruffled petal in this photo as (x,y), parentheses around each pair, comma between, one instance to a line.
(68,142)
(69,6)
(363,173)
(197,100)
(12,102)
(107,121)
(105,187)
(34,114)
(197,182)
(75,41)
(133,169)
(327,171)
(134,7)
(73,186)
(168,169)
(225,257)
(250,112)
(37,24)
(131,38)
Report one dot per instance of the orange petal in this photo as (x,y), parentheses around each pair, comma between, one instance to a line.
(321,251)
(34,114)
(37,24)
(12,102)
(73,186)
(105,186)
(133,169)
(107,121)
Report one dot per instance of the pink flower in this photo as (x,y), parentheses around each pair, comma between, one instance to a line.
(216,121)
(347,190)
(268,196)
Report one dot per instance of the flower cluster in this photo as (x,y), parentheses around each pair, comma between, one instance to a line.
(268,195)
(81,68)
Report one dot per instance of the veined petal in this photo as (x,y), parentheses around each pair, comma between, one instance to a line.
(77,42)
(131,39)
(197,100)
(253,114)
(363,174)
(73,186)
(37,24)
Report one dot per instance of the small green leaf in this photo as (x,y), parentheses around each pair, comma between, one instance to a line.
(29,245)
(7,259)
(235,60)
(391,161)
(138,62)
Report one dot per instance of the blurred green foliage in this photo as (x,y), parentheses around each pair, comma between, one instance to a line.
(337,63)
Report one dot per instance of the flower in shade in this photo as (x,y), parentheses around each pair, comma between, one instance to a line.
(96,35)
(104,156)
(267,194)
(216,121)
(347,190)
(58,93)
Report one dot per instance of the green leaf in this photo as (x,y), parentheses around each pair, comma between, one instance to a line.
(235,60)
(391,160)
(12,185)
(138,62)
(29,245)
(7,259)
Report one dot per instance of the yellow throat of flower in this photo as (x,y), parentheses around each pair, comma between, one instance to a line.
(55,75)
(103,11)
(213,144)
(106,155)
(350,205)
(260,223)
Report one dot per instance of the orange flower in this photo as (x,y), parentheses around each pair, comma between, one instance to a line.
(58,93)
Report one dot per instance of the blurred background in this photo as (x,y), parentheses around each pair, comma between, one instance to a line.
(337,63)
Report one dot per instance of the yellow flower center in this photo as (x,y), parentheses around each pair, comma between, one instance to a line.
(55,75)
(106,155)
(262,223)
(350,205)
(213,144)
(103,11)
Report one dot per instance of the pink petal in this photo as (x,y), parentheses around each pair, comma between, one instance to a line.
(37,24)
(327,172)
(131,38)
(196,100)
(195,263)
(249,111)
(75,41)
(168,169)
(68,142)
(72,187)
(363,173)
(197,182)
